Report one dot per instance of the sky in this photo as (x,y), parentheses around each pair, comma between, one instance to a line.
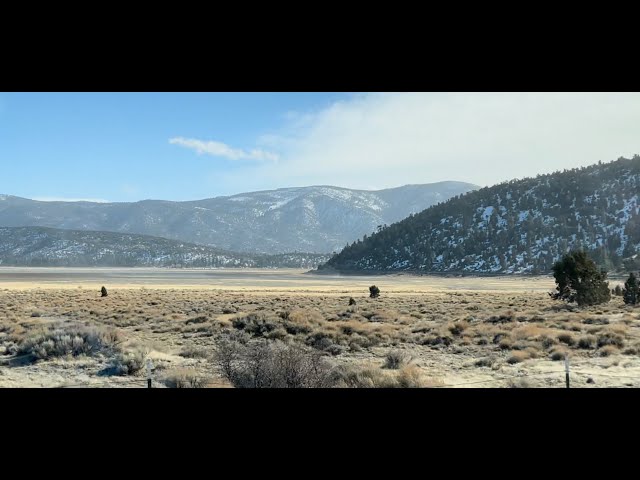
(188,146)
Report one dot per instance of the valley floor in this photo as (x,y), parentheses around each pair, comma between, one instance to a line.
(452,332)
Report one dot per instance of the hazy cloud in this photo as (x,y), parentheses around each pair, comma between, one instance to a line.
(391,139)
(219,149)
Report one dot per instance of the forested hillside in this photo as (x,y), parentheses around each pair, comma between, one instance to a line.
(520,226)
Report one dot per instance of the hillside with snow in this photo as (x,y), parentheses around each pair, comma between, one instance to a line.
(39,246)
(319,219)
(521,226)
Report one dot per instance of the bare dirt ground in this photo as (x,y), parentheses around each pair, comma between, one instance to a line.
(494,332)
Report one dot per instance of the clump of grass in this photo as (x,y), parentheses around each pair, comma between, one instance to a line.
(184,378)
(507,317)
(567,339)
(484,362)
(395,360)
(608,350)
(518,383)
(587,342)
(518,356)
(194,352)
(196,320)
(558,354)
(410,376)
(610,338)
(596,321)
(456,328)
(358,377)
(547,341)
(438,340)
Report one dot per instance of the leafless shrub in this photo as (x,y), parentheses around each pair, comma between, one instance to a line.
(260,364)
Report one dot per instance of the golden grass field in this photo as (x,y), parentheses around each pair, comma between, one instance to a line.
(492,332)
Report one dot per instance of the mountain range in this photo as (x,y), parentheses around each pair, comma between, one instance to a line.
(317,219)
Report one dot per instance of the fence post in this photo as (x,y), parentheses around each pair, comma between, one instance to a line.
(566,369)
(149,366)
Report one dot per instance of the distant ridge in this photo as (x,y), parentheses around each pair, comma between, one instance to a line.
(319,219)
(41,246)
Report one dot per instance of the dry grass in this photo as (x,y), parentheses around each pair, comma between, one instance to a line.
(444,331)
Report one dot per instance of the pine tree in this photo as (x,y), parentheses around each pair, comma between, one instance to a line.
(631,293)
(579,280)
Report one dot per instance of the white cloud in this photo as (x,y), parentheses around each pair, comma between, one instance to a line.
(66,199)
(391,139)
(219,149)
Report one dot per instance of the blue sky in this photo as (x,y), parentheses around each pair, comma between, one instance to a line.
(115,145)
(183,146)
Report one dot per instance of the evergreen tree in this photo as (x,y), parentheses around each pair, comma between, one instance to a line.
(579,280)
(631,293)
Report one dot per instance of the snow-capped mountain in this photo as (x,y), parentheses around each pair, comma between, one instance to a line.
(318,219)
(40,246)
(521,226)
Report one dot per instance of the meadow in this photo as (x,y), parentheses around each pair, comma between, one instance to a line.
(218,329)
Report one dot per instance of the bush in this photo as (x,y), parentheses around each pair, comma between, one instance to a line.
(322,341)
(557,355)
(197,320)
(129,363)
(69,340)
(260,364)
(579,280)
(457,328)
(255,324)
(587,342)
(484,362)
(409,376)
(184,378)
(194,352)
(395,360)
(517,357)
(607,351)
(610,338)
(374,292)
(567,339)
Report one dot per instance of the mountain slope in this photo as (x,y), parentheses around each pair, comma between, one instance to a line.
(308,219)
(521,226)
(40,246)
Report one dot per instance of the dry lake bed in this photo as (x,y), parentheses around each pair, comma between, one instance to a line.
(423,331)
